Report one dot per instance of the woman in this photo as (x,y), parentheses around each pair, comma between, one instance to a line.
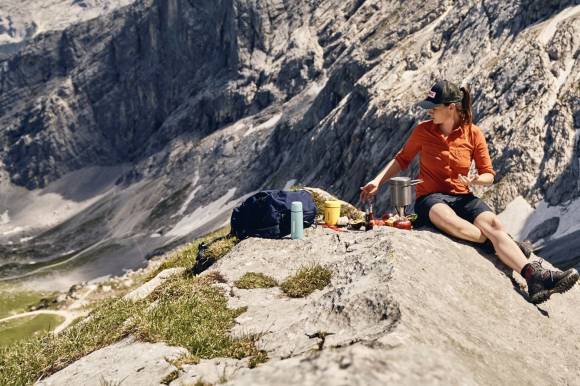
(447,145)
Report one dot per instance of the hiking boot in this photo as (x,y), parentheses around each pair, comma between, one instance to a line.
(525,247)
(542,283)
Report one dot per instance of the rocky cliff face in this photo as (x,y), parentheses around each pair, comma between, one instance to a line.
(197,104)
(402,307)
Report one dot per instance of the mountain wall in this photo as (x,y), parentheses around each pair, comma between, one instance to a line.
(196,104)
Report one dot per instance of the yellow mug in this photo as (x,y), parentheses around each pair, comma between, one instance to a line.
(331,212)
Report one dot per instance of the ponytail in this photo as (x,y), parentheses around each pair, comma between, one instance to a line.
(465,110)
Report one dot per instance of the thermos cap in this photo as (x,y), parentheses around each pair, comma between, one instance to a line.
(296,206)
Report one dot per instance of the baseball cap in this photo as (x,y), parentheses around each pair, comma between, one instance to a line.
(442,92)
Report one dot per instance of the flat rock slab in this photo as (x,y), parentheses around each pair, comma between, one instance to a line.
(125,363)
(404,308)
(212,371)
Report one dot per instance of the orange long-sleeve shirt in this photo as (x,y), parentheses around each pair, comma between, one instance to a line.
(444,159)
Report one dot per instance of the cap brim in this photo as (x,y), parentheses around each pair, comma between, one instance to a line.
(426,104)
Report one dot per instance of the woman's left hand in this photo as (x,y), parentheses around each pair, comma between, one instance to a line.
(468,180)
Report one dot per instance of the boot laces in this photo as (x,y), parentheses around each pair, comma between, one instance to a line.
(546,275)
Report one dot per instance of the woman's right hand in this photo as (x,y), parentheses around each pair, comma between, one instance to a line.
(369,190)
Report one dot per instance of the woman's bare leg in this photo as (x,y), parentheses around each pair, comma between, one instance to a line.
(505,247)
(445,219)
(486,226)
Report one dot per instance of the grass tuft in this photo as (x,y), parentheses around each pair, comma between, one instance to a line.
(186,359)
(186,256)
(191,314)
(210,253)
(260,357)
(319,201)
(220,248)
(200,382)
(172,376)
(351,212)
(215,277)
(306,280)
(244,346)
(252,280)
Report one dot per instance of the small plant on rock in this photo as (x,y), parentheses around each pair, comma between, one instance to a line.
(215,277)
(319,201)
(172,376)
(306,280)
(260,357)
(200,382)
(252,280)
(221,247)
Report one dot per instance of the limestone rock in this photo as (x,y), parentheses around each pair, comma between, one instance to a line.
(404,307)
(212,371)
(127,362)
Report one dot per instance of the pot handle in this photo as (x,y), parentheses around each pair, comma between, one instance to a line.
(415,182)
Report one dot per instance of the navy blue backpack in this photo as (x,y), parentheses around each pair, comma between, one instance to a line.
(267,214)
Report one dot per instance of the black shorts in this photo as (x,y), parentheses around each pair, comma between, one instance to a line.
(466,206)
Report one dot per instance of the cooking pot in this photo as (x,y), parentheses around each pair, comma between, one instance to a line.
(401,191)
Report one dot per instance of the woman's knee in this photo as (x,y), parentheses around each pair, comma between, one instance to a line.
(489,224)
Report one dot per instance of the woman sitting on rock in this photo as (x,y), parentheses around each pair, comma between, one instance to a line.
(447,145)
